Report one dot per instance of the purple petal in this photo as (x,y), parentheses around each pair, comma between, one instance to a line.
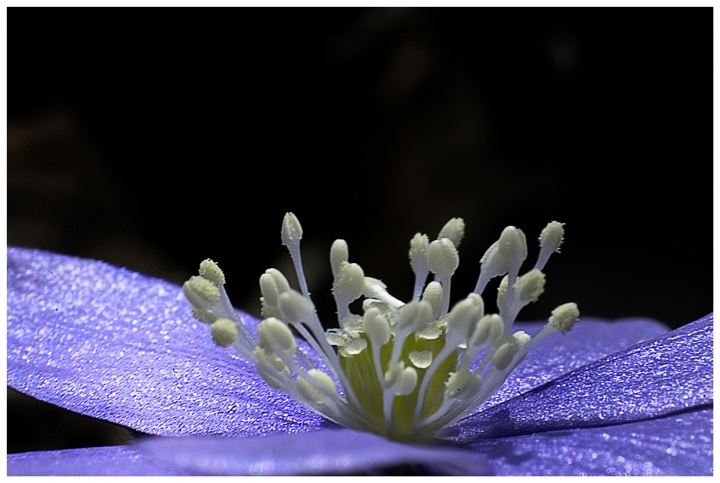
(680,444)
(315,452)
(116,345)
(102,341)
(668,374)
(105,461)
(590,340)
(119,346)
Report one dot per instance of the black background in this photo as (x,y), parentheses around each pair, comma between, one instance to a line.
(155,138)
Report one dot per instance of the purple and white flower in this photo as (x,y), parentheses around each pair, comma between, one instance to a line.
(622,397)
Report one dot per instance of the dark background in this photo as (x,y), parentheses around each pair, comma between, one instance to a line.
(155,138)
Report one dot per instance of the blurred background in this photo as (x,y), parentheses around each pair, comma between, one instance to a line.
(155,138)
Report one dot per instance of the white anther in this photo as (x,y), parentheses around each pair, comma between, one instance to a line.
(433,294)
(406,316)
(478,302)
(270,368)
(493,263)
(280,281)
(431,332)
(294,307)
(406,382)
(338,255)
(376,327)
(271,360)
(508,252)
(563,318)
(530,286)
(276,337)
(376,289)
(508,347)
(312,393)
(211,271)
(443,258)
(349,282)
(552,236)
(336,337)
(521,337)
(462,384)
(201,292)
(401,380)
(267,310)
(487,331)
(291,232)
(502,291)
(224,332)
(418,252)
(424,315)
(204,316)
(352,323)
(354,346)
(462,319)
(512,245)
(550,240)
(371,302)
(453,230)
(421,359)
(269,289)
(374,286)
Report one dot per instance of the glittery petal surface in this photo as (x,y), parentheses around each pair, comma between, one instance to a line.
(119,346)
(680,444)
(103,341)
(668,374)
(590,340)
(318,452)
(104,461)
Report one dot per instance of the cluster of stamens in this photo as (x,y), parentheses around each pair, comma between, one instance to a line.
(401,370)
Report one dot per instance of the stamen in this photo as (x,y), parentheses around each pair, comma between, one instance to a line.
(461,383)
(271,368)
(421,359)
(291,234)
(418,262)
(505,353)
(443,260)
(338,255)
(530,286)
(349,285)
(374,288)
(309,390)
(224,332)
(433,295)
(210,271)
(564,317)
(276,337)
(294,307)
(201,293)
(404,371)
(454,230)
(550,240)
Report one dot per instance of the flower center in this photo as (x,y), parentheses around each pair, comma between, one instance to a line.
(401,370)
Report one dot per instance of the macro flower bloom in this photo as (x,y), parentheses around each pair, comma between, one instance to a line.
(407,371)
(624,397)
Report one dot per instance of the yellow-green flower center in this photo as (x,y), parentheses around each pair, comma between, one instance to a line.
(416,353)
(401,370)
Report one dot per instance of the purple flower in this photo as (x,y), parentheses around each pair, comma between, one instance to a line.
(623,397)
